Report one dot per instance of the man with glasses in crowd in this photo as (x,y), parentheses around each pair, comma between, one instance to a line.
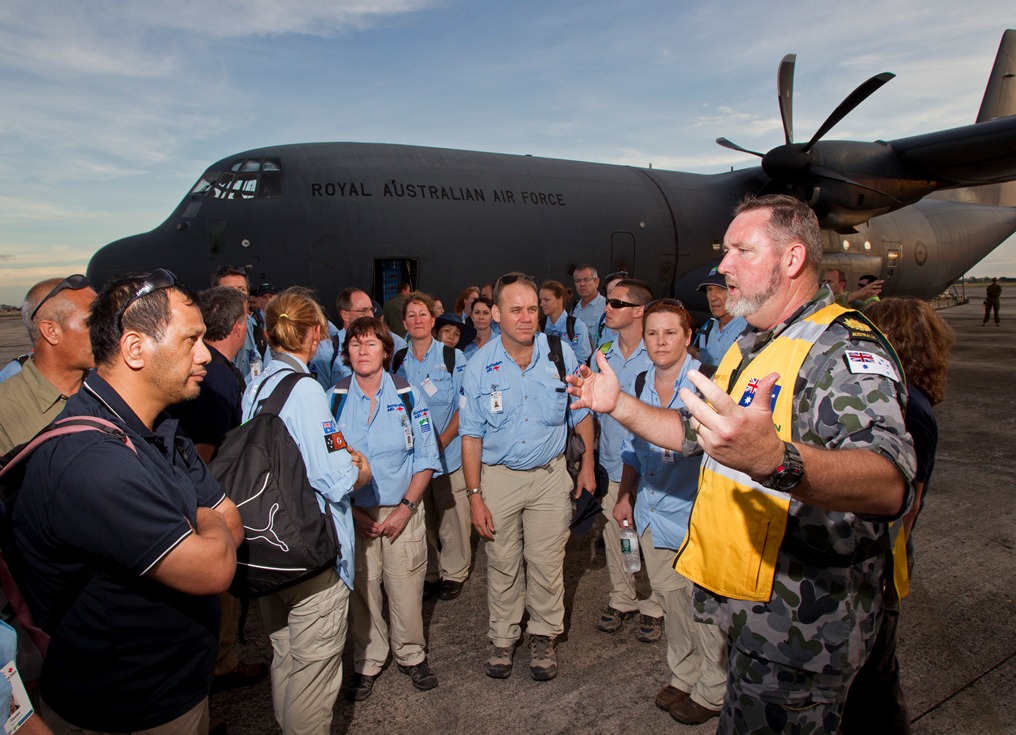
(54,312)
(514,420)
(327,365)
(590,304)
(125,538)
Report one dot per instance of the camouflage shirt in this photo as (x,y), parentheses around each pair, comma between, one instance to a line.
(827,588)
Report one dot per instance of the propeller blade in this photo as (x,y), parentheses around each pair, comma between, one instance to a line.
(785,88)
(852,100)
(826,173)
(735,147)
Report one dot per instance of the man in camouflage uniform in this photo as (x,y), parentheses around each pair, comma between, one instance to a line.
(843,472)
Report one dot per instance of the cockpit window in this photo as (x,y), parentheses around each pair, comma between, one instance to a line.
(245,179)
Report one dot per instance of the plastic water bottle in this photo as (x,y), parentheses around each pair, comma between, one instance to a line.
(630,559)
(255,364)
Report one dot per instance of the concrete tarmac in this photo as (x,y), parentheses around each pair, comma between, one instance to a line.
(957,632)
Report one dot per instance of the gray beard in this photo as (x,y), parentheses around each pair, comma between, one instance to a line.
(747,305)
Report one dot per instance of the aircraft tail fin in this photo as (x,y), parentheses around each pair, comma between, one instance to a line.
(999,101)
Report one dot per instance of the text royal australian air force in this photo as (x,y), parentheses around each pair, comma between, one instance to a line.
(394,189)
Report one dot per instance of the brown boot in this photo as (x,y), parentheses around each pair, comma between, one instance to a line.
(689,712)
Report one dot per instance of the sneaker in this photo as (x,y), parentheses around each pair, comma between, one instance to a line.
(650,629)
(361,687)
(423,678)
(611,620)
(543,657)
(499,664)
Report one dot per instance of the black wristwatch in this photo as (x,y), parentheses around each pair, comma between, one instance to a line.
(788,475)
(410,504)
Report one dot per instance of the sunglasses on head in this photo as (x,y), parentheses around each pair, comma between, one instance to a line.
(658,304)
(70,283)
(154,281)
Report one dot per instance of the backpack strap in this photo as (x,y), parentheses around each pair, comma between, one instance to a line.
(274,403)
(397,359)
(449,359)
(703,333)
(336,350)
(543,323)
(640,383)
(556,354)
(405,391)
(569,327)
(62,427)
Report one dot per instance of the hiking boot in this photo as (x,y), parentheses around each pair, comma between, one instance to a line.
(668,696)
(650,629)
(499,664)
(449,590)
(689,712)
(543,657)
(361,687)
(423,678)
(611,620)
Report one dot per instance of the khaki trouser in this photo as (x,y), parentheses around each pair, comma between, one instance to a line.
(696,652)
(628,592)
(448,527)
(307,627)
(400,566)
(531,510)
(192,722)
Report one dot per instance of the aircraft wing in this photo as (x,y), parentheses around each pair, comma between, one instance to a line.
(982,153)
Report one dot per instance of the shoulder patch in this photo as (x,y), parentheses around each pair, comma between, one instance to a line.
(859,363)
(858,329)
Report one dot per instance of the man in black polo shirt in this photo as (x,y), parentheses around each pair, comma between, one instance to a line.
(126,548)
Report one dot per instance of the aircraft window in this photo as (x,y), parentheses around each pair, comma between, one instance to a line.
(204,184)
(245,180)
(271,185)
(221,190)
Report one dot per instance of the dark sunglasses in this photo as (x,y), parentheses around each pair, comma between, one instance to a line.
(154,281)
(618,304)
(71,283)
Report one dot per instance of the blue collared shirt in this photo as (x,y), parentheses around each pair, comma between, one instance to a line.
(590,316)
(382,437)
(331,473)
(581,345)
(612,434)
(718,341)
(529,430)
(442,396)
(667,489)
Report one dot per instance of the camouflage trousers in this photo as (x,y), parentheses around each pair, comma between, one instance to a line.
(766,697)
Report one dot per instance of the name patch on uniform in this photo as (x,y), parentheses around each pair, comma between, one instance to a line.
(494,367)
(749,394)
(395,407)
(865,362)
(334,441)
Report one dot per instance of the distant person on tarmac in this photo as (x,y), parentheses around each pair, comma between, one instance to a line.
(992,300)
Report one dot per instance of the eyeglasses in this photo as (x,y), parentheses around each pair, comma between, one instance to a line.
(156,280)
(581,281)
(618,304)
(364,310)
(72,283)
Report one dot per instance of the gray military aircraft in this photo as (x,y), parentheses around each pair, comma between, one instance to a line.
(331,215)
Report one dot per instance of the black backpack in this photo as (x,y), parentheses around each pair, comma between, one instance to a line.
(287,537)
(569,326)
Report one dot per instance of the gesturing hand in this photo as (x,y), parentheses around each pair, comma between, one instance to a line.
(596,391)
(740,437)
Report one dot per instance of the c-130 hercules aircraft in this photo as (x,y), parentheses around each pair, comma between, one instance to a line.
(331,215)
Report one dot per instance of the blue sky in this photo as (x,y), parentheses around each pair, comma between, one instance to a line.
(112,109)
